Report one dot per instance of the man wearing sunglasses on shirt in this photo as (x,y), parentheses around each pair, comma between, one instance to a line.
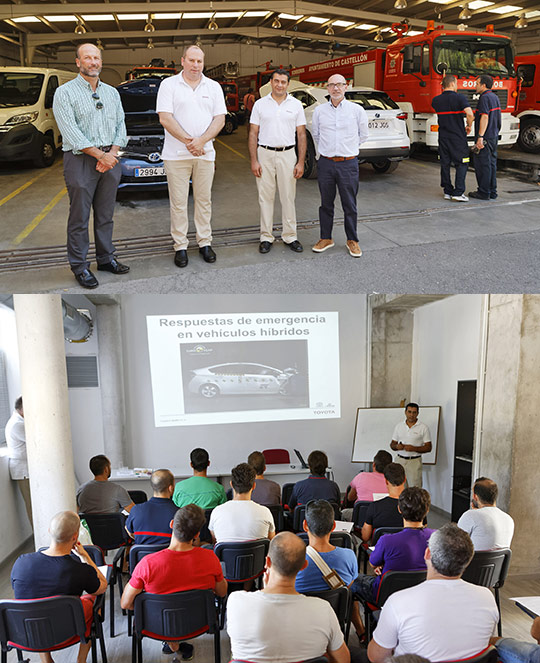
(90,117)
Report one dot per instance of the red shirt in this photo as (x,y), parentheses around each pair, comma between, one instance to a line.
(169,571)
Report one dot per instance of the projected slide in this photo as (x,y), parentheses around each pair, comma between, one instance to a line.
(229,368)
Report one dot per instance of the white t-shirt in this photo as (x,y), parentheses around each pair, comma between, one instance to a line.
(488,527)
(277,122)
(441,620)
(241,520)
(16,442)
(193,109)
(268,628)
(416,435)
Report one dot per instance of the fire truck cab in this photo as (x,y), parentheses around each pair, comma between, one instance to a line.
(528,106)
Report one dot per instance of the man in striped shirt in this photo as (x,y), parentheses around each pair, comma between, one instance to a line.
(90,117)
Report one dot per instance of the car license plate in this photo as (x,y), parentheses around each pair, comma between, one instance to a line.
(149,172)
(378,124)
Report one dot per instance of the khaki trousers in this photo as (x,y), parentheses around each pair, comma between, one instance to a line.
(201,173)
(277,167)
(24,487)
(413,470)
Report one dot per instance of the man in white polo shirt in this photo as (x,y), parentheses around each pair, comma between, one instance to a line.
(276,120)
(192,111)
(411,439)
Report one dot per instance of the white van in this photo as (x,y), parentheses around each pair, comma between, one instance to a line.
(28,129)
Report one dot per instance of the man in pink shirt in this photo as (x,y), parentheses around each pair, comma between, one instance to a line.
(365,484)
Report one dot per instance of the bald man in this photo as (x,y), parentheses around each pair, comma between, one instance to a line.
(64,568)
(339,128)
(307,626)
(150,522)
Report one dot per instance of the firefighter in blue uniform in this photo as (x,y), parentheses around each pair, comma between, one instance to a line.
(452,107)
(487,125)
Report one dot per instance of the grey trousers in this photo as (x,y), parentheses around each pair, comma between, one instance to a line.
(88,188)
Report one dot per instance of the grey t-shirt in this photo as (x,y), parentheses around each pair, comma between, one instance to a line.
(102,497)
(266,492)
(489,527)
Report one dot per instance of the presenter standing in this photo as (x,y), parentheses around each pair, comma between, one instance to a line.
(411,439)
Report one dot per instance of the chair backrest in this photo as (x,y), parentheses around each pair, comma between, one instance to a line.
(41,624)
(383,530)
(244,560)
(286,492)
(340,599)
(96,554)
(488,655)
(394,581)
(136,553)
(107,530)
(488,568)
(277,514)
(138,496)
(359,513)
(276,456)
(299,515)
(339,539)
(175,615)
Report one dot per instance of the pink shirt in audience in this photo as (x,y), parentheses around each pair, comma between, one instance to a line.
(367,483)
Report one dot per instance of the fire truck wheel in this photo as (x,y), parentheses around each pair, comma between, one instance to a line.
(310,164)
(529,135)
(384,166)
(228,127)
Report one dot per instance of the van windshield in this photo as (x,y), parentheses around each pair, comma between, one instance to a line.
(19,89)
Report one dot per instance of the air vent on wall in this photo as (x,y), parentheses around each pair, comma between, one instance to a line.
(82,372)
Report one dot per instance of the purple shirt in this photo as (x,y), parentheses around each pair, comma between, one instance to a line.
(402,551)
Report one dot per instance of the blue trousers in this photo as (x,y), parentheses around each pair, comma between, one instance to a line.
(514,651)
(343,176)
(450,153)
(485,167)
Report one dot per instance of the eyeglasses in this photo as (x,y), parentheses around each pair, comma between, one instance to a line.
(99,105)
(336,85)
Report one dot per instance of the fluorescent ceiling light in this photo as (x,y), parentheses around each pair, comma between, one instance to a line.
(133,17)
(227,14)
(365,26)
(413,33)
(255,14)
(480,4)
(175,15)
(506,9)
(532,14)
(440,2)
(26,19)
(343,24)
(316,19)
(291,17)
(98,17)
(60,19)
(387,30)
(198,15)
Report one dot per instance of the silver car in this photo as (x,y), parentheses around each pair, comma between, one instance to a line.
(239,378)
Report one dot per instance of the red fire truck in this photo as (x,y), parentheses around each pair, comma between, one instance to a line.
(528,107)
(410,71)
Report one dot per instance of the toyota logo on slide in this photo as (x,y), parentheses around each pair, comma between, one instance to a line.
(154,157)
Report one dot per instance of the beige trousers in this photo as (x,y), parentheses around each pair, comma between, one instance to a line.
(413,470)
(277,167)
(201,173)
(24,487)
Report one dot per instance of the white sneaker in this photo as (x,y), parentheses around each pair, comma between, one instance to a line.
(447,196)
(461,199)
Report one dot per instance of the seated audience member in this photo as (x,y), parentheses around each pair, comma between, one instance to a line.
(178,568)
(515,651)
(266,492)
(55,571)
(402,551)
(385,512)
(101,495)
(486,524)
(277,623)
(150,522)
(241,519)
(316,486)
(443,618)
(199,489)
(365,484)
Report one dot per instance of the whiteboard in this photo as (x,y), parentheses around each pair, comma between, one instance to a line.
(374,428)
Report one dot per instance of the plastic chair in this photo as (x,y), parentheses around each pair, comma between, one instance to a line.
(489,568)
(138,496)
(364,549)
(136,553)
(339,539)
(341,601)
(286,492)
(299,515)
(278,515)
(108,531)
(359,513)
(391,581)
(276,456)
(45,625)
(174,617)
(488,655)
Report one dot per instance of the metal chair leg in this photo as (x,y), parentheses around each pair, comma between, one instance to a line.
(498,602)
(111,608)
(217,646)
(134,648)
(93,648)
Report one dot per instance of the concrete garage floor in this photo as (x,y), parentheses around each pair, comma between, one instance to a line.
(412,239)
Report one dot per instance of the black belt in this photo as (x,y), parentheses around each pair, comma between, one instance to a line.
(338,158)
(409,457)
(277,149)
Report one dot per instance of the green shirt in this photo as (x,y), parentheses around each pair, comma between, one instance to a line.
(200,491)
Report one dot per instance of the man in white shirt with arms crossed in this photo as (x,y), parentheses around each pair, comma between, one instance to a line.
(411,438)
(339,128)
(192,111)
